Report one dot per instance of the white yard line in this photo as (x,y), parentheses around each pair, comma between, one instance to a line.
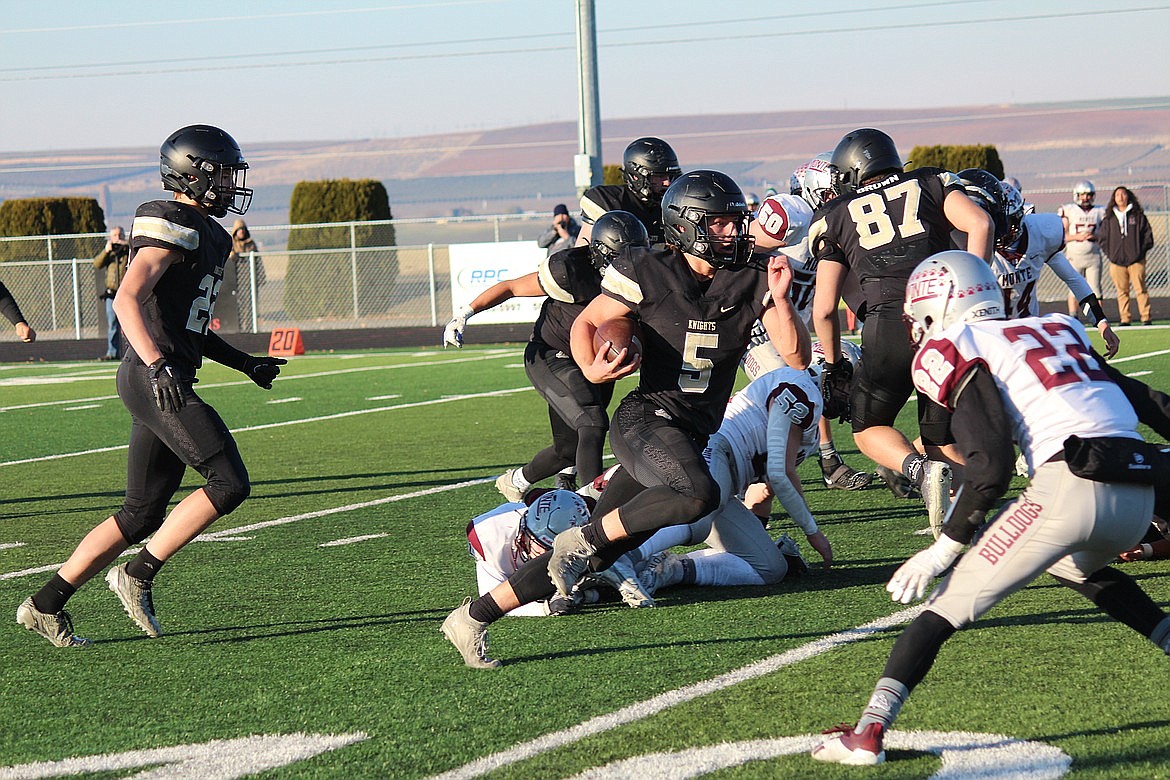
(300,421)
(652,706)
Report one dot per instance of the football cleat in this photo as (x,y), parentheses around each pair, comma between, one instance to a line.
(839,476)
(469,637)
(797,566)
(936,494)
(135,595)
(621,577)
(569,560)
(662,571)
(846,746)
(566,482)
(507,489)
(57,628)
(898,483)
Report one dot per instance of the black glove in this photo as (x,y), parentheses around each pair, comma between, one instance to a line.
(836,387)
(262,370)
(166,385)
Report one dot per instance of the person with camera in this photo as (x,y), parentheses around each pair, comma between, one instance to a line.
(563,232)
(113,258)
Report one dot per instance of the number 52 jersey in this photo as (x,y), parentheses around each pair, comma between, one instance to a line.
(1052,385)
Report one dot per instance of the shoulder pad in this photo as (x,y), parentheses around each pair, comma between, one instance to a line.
(785,218)
(166,223)
(1044,229)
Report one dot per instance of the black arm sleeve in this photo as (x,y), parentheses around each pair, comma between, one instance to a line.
(1152,406)
(223,353)
(983,436)
(1091,307)
(8,306)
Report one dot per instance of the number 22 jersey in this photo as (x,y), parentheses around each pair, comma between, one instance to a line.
(180,308)
(1052,385)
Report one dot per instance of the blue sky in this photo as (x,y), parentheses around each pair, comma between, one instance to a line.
(115,74)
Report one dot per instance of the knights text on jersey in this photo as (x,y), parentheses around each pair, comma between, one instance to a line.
(180,308)
(571,282)
(693,334)
(885,229)
(1051,384)
(614,197)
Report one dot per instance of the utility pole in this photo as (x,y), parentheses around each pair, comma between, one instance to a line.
(587,162)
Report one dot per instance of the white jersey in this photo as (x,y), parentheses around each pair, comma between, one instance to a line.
(1051,384)
(787,392)
(1082,221)
(491,539)
(786,218)
(1018,267)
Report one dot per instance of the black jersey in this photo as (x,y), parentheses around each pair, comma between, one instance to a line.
(570,281)
(693,333)
(613,197)
(884,230)
(181,304)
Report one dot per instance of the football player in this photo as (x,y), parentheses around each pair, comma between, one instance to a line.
(577,408)
(1081,219)
(782,226)
(1036,382)
(882,223)
(768,430)
(649,166)
(12,313)
(165,302)
(696,300)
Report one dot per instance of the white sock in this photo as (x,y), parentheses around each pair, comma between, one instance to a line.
(716,567)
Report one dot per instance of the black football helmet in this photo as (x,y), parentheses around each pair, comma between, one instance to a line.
(612,232)
(984,188)
(687,206)
(206,164)
(861,155)
(649,167)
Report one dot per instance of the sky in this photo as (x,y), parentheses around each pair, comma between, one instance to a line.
(114,74)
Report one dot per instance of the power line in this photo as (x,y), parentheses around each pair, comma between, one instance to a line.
(188,67)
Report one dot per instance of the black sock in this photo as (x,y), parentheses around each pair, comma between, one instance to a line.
(51,598)
(485,609)
(688,567)
(914,467)
(594,535)
(144,566)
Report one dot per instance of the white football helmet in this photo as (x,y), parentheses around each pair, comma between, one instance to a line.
(551,513)
(796,181)
(817,184)
(947,288)
(848,349)
(1083,193)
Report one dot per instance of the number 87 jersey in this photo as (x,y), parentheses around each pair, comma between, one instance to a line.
(1052,384)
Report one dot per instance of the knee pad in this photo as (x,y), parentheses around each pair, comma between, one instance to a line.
(138,520)
(227,483)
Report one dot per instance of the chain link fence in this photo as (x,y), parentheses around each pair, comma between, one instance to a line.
(352,286)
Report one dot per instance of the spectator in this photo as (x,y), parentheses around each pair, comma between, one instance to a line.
(1081,220)
(245,252)
(1126,237)
(113,258)
(563,232)
(12,313)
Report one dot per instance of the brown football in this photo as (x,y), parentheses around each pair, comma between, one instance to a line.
(622,333)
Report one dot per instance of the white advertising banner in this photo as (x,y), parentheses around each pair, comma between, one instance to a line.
(476,267)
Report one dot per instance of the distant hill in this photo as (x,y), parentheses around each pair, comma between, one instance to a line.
(1047,146)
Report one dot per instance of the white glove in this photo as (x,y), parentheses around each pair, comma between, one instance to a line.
(453,333)
(910,580)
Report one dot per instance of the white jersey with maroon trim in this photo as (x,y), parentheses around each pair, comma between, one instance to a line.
(491,541)
(1082,221)
(787,391)
(786,218)
(1018,267)
(1052,386)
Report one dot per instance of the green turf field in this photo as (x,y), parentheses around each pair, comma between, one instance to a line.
(295,659)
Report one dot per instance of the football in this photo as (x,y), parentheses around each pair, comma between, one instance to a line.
(622,333)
